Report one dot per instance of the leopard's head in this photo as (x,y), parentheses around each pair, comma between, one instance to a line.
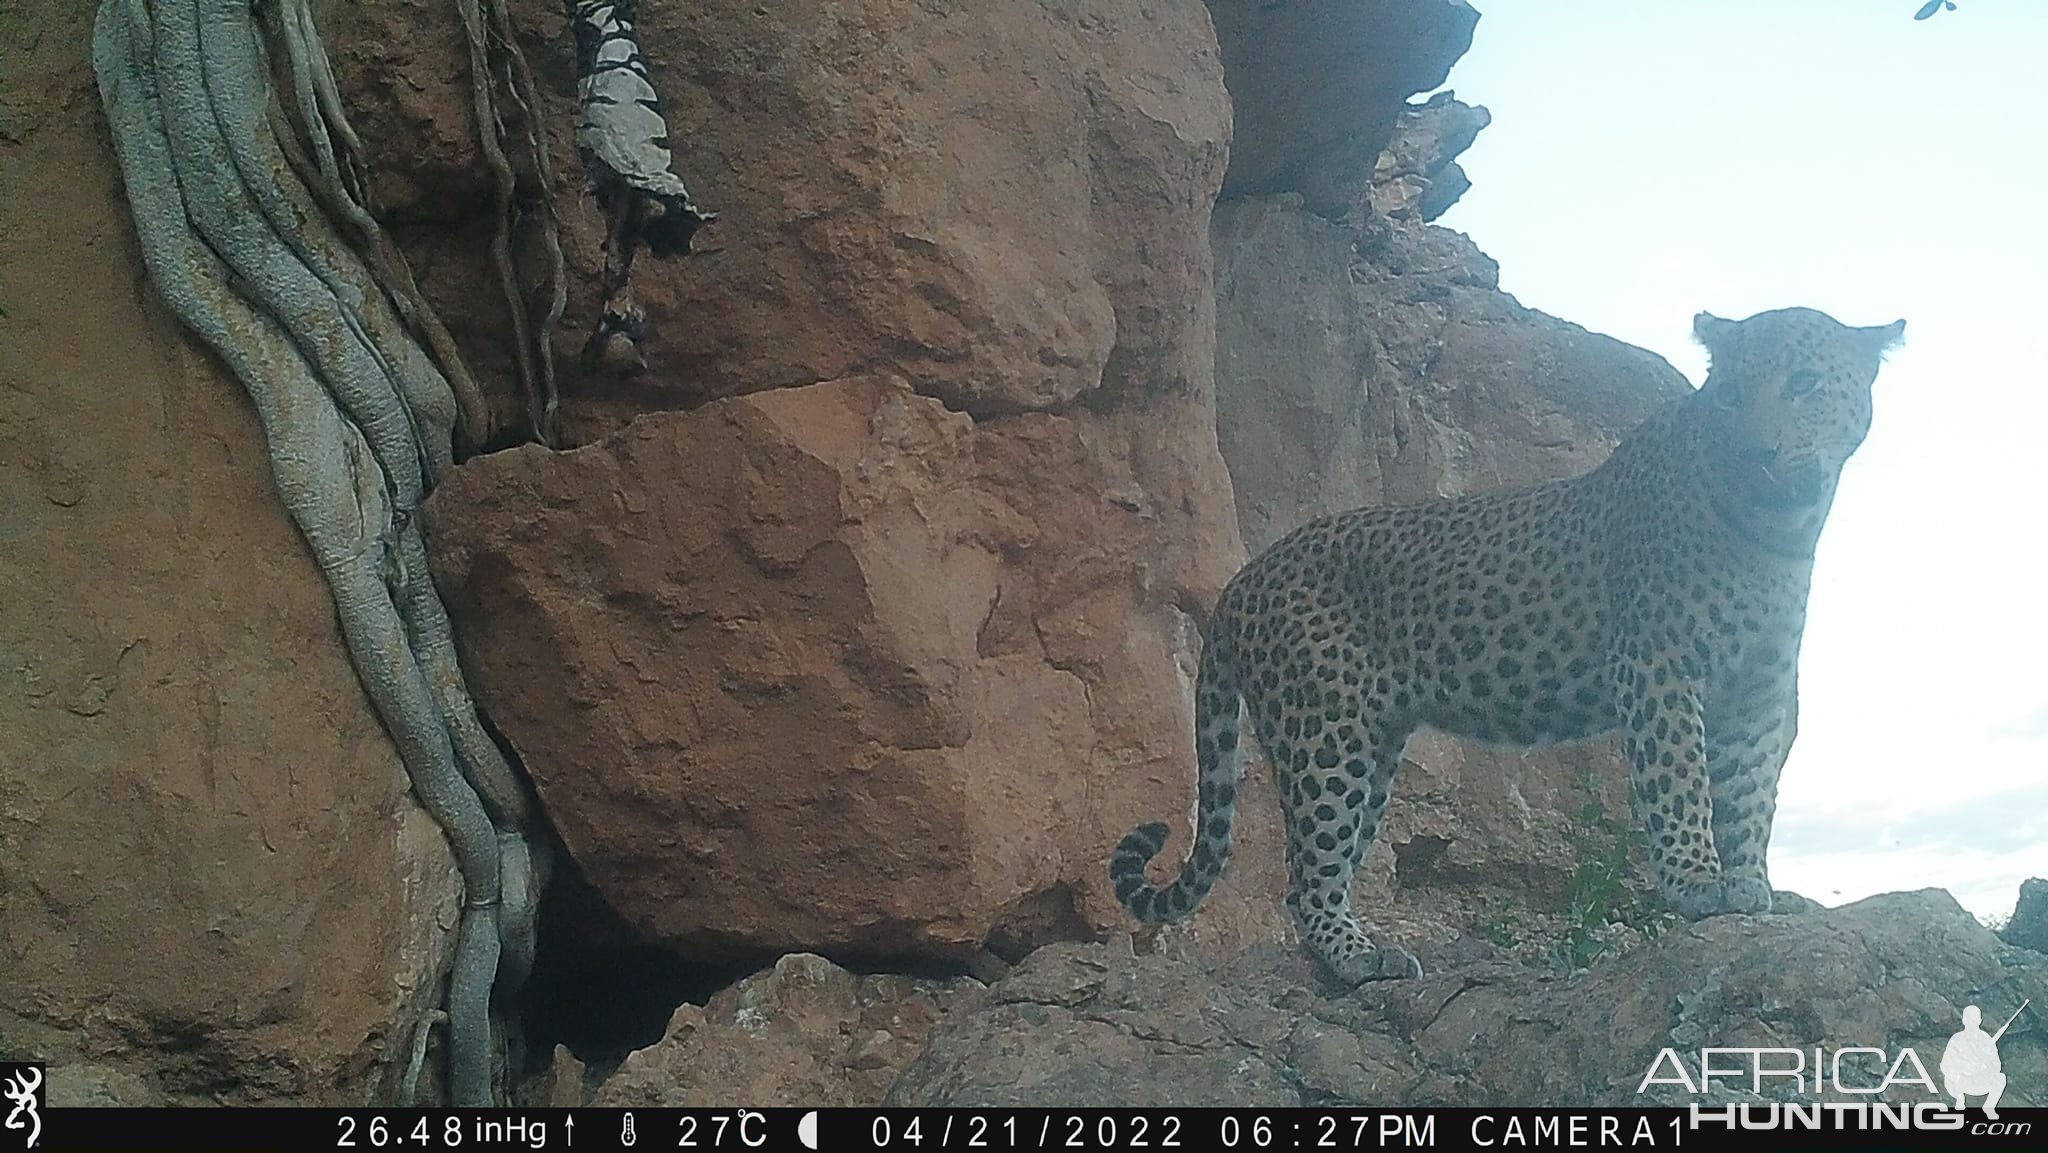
(1786,402)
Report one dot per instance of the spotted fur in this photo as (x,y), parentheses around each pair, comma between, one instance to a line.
(1662,595)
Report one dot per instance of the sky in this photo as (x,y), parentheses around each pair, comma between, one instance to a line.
(1652,158)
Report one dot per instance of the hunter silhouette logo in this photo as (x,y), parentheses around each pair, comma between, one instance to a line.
(23,1085)
(1970,1063)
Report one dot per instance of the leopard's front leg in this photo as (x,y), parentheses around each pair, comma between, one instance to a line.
(1666,738)
(1746,751)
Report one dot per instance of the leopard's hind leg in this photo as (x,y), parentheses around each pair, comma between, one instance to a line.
(1334,766)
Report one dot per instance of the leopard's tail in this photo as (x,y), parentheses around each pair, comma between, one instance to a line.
(1216,731)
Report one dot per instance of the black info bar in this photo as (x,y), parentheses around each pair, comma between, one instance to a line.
(1843,1125)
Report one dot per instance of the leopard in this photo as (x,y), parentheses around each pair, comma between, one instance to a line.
(1661,595)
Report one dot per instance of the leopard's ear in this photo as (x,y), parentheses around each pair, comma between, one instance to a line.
(1885,337)
(1710,330)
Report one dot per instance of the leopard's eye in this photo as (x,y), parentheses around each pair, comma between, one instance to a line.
(1800,383)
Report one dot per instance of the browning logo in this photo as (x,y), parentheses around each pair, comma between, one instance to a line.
(22,1085)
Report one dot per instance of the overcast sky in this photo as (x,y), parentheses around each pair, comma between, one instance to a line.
(1651,158)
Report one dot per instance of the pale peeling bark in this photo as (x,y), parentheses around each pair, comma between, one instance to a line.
(624,142)
(357,418)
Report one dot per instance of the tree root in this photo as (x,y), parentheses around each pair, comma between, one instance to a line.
(336,182)
(535,358)
(526,99)
(422,1032)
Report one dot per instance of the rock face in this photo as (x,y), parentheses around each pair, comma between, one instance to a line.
(882,661)
(804,1033)
(214,886)
(1417,178)
(1006,205)
(1087,1025)
(1369,358)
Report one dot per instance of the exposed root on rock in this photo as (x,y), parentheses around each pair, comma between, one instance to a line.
(534,356)
(337,182)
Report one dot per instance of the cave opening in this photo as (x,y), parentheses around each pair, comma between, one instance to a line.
(599,987)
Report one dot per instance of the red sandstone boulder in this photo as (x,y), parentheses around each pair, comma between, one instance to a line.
(838,669)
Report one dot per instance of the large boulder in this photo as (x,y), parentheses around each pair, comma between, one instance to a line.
(214,886)
(836,668)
